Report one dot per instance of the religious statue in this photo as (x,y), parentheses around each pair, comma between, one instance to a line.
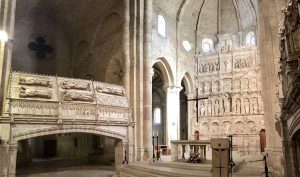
(202,108)
(217,108)
(75,85)
(247,106)
(28,92)
(227,103)
(209,108)
(238,106)
(215,128)
(34,82)
(239,127)
(255,106)
(78,96)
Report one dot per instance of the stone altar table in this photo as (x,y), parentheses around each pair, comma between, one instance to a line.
(180,147)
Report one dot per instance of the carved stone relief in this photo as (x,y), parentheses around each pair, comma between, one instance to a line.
(35,82)
(34,93)
(110,90)
(75,85)
(78,96)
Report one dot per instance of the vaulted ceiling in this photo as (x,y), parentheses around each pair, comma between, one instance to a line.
(211,16)
(74,16)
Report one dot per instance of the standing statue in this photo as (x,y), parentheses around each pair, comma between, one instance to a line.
(209,108)
(238,106)
(217,108)
(227,103)
(247,106)
(202,108)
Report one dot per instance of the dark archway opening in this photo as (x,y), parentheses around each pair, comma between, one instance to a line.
(158,106)
(262,136)
(183,113)
(68,151)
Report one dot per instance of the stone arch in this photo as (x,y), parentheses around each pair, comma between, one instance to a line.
(188,82)
(166,70)
(68,129)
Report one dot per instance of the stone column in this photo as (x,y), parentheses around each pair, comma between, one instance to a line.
(12,159)
(173,113)
(119,154)
(268,42)
(147,77)
(7,24)
(191,108)
(126,46)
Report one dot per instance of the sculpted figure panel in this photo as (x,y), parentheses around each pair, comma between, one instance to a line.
(239,127)
(217,108)
(75,85)
(35,93)
(238,106)
(251,126)
(34,82)
(202,108)
(110,90)
(209,108)
(215,128)
(247,106)
(255,105)
(227,127)
(78,96)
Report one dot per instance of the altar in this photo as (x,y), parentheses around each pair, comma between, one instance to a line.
(180,149)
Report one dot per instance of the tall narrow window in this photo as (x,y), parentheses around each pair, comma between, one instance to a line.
(161,27)
(250,39)
(157,115)
(207,45)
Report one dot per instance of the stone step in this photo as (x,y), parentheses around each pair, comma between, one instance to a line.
(126,171)
(187,166)
(168,171)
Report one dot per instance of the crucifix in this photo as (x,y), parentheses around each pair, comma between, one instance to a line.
(197,99)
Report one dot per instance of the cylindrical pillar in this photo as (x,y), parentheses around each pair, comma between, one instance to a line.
(147,78)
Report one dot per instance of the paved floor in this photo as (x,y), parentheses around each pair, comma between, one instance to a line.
(65,168)
(72,173)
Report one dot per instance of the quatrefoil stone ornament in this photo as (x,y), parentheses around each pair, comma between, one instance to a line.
(40,47)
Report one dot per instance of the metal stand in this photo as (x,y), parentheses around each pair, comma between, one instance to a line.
(125,159)
(266,173)
(153,148)
(231,163)
(157,150)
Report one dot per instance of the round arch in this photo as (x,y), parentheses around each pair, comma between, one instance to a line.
(71,129)
(188,82)
(166,70)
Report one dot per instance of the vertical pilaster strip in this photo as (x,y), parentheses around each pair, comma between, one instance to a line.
(6,53)
(147,126)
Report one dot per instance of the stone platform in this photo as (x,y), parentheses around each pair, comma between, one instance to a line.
(180,169)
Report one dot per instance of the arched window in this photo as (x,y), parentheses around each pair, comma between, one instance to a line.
(161,27)
(186,45)
(250,39)
(207,45)
(157,115)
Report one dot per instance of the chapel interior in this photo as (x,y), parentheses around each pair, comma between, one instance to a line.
(154,88)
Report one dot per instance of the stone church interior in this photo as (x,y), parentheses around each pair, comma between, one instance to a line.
(156,88)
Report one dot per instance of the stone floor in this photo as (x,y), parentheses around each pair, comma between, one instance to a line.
(65,168)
